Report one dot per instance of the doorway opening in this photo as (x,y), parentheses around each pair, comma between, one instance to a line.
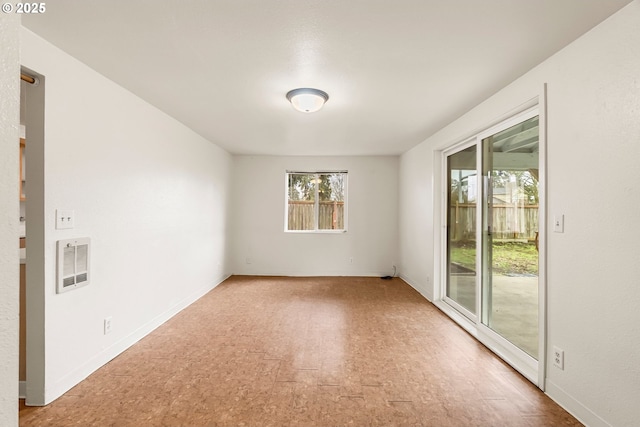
(32,295)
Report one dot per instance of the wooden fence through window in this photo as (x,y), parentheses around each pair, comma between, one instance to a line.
(509,222)
(301,215)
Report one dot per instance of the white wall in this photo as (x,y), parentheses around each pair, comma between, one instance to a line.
(593,102)
(9,214)
(416,220)
(152,196)
(258,219)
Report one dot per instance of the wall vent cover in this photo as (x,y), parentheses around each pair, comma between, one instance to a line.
(73,263)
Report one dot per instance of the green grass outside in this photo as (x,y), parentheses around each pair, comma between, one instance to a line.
(508,257)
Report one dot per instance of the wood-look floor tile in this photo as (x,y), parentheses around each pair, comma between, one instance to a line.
(325,351)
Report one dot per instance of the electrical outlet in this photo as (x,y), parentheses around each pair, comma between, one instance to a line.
(248,260)
(558,358)
(107,325)
(351,260)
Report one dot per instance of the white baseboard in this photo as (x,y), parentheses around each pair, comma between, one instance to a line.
(572,406)
(415,286)
(312,273)
(96,362)
(22,390)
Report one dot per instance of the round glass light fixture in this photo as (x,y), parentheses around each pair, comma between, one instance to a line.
(306,99)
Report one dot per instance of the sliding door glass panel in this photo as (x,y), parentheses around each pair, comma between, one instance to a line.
(510,234)
(461,228)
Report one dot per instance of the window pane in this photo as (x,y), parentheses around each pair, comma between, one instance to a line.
(301,196)
(331,203)
(316,201)
(510,234)
(461,228)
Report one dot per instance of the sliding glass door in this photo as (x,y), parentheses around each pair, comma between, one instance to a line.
(492,237)
(510,234)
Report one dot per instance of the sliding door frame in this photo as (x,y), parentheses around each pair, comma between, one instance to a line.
(473,317)
(534,370)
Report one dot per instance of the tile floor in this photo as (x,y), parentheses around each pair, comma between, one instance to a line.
(329,351)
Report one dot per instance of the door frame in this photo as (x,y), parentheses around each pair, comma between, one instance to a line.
(534,370)
(34,120)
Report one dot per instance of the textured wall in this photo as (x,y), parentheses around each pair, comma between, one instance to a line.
(9,214)
(369,246)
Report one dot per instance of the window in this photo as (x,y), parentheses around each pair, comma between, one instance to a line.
(316,201)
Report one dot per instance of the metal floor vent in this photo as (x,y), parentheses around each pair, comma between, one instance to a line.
(73,263)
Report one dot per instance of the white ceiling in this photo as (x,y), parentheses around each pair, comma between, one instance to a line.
(396,71)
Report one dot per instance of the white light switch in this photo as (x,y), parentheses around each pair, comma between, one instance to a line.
(558,224)
(64,219)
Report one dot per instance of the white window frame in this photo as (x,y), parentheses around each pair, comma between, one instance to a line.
(316,208)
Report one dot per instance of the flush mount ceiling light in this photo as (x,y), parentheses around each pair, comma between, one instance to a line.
(306,99)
